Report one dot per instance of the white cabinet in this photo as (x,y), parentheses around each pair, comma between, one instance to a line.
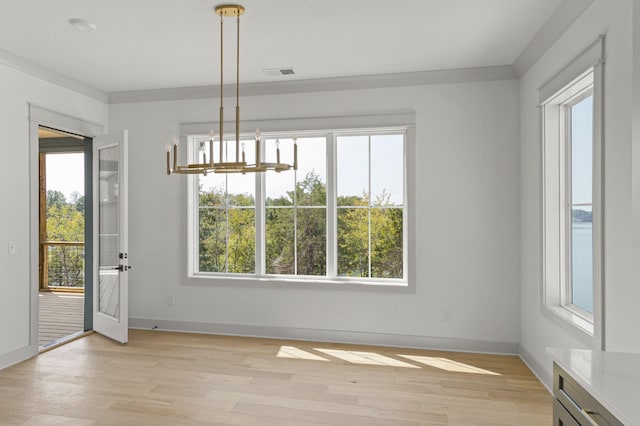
(595,387)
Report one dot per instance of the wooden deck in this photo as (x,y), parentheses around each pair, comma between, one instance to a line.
(162,378)
(61,314)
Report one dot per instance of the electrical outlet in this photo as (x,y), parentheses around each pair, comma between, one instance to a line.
(12,247)
(169,300)
(446,315)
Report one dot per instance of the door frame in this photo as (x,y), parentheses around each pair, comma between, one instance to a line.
(39,116)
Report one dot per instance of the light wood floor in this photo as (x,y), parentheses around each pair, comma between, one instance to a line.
(61,314)
(165,378)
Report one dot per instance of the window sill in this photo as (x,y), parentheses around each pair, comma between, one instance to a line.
(576,324)
(297,282)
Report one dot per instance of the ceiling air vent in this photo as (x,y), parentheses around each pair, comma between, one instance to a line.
(272,72)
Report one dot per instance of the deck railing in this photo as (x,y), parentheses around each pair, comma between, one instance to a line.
(62,265)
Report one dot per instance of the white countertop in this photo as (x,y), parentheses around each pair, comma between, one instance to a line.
(613,378)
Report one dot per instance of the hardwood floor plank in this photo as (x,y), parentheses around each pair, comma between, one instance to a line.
(314,417)
(162,378)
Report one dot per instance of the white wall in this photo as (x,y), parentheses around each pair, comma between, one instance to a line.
(467,233)
(18,90)
(622,261)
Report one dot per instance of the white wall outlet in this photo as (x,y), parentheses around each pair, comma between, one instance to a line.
(169,300)
(12,247)
(446,315)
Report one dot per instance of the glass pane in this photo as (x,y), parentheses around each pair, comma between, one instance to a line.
(248,146)
(280,240)
(212,240)
(311,240)
(387,170)
(242,240)
(241,189)
(271,152)
(108,239)
(582,258)
(353,170)
(582,151)
(203,151)
(279,188)
(386,243)
(212,190)
(353,242)
(312,172)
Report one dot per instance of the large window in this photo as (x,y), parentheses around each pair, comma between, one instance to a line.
(340,217)
(572,206)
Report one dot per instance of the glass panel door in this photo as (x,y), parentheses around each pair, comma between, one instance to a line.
(110,234)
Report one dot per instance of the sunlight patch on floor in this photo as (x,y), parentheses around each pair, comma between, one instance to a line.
(448,365)
(373,358)
(293,352)
(370,358)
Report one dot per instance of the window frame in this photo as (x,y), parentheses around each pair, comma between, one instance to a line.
(194,276)
(567,118)
(557,199)
(369,207)
(262,273)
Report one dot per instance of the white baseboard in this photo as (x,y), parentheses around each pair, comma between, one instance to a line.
(536,368)
(17,356)
(335,336)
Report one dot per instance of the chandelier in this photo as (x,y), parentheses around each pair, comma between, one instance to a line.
(222,166)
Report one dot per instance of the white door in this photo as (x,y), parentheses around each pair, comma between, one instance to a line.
(110,240)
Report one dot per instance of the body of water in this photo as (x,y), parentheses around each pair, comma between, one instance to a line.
(582,264)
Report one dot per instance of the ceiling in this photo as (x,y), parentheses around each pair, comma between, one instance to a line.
(154,44)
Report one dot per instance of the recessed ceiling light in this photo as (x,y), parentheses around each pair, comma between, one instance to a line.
(82,24)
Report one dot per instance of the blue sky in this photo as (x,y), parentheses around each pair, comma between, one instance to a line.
(582,150)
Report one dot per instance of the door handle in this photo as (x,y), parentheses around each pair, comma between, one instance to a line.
(122,268)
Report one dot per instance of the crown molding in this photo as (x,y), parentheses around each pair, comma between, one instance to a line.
(29,67)
(377,81)
(560,20)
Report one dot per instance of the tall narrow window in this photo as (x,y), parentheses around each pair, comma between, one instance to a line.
(296,211)
(370,198)
(572,195)
(226,219)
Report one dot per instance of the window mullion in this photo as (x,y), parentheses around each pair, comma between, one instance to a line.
(567,296)
(295,222)
(331,206)
(369,207)
(260,244)
(226,210)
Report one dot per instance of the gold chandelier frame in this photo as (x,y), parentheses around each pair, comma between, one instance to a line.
(239,165)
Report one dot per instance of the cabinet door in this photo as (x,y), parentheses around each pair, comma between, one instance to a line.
(578,402)
(561,416)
